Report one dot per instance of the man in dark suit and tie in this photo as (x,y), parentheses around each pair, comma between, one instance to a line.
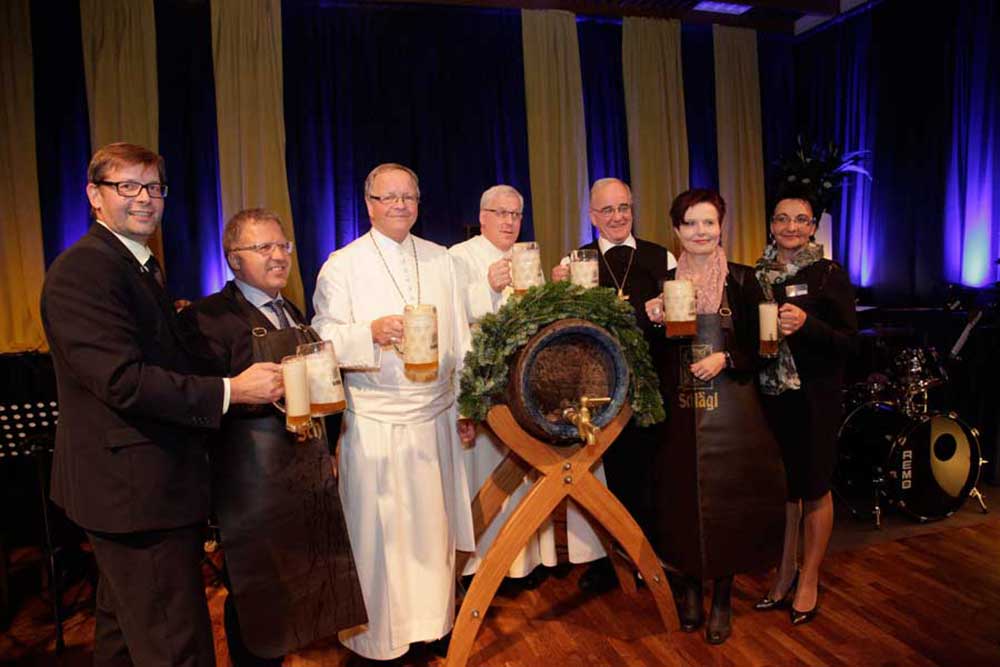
(130,465)
(290,569)
(634,268)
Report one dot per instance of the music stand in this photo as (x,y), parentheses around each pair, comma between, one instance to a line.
(28,429)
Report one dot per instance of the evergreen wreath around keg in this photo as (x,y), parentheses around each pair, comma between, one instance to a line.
(487,365)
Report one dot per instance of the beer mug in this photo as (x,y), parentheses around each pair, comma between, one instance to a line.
(583,270)
(420,343)
(296,378)
(525,266)
(326,389)
(768,329)
(680,314)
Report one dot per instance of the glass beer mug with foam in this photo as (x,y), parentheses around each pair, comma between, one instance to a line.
(420,343)
(768,329)
(583,269)
(525,266)
(296,379)
(680,314)
(326,389)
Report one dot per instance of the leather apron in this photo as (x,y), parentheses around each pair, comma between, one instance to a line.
(719,485)
(286,545)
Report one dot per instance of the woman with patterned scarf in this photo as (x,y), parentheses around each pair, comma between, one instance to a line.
(718,491)
(802,390)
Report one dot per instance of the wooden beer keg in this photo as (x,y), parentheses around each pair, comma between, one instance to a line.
(566,360)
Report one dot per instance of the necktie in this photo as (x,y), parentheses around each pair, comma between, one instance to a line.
(277,305)
(153,267)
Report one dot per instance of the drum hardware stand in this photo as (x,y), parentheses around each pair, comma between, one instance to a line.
(563,472)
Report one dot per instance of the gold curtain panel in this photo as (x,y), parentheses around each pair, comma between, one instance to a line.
(119,61)
(738,127)
(246,46)
(22,261)
(557,136)
(657,127)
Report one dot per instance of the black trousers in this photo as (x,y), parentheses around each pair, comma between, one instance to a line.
(151,605)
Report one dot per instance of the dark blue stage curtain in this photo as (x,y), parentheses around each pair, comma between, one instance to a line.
(776,64)
(837,103)
(881,79)
(972,206)
(603,98)
(62,131)
(438,89)
(192,226)
(698,64)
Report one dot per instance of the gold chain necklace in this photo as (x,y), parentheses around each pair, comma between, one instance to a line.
(416,264)
(620,286)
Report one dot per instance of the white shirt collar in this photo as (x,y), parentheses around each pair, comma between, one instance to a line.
(388,243)
(606,245)
(257,297)
(140,251)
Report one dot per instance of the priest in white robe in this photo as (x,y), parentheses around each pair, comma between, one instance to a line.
(401,476)
(482,265)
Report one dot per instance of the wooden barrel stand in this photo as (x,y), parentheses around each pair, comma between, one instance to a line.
(563,472)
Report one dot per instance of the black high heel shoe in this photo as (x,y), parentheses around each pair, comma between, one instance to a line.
(802,617)
(767,603)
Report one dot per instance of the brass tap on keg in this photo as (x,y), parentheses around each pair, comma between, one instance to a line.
(580,417)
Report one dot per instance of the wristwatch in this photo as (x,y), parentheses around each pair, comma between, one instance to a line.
(729,359)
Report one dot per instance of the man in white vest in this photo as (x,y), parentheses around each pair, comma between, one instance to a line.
(401,477)
(482,265)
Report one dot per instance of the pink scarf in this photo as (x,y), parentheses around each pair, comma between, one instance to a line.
(709,281)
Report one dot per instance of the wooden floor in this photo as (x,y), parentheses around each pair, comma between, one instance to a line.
(925,600)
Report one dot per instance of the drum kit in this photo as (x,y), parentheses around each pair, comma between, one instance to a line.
(894,446)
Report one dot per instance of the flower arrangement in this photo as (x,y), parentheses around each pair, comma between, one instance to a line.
(821,169)
(500,335)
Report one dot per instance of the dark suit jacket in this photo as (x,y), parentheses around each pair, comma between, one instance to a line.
(220,319)
(823,344)
(129,450)
(649,269)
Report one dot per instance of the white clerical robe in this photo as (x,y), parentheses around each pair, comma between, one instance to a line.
(402,480)
(472,262)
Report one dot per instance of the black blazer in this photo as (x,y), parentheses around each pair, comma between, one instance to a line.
(821,347)
(129,450)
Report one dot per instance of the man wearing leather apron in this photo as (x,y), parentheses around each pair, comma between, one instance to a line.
(291,573)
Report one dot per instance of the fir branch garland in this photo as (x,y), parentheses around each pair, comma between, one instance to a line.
(487,371)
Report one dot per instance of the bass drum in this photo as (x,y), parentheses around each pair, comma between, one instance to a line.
(926,465)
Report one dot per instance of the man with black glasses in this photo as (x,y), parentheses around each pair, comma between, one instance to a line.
(130,464)
(635,269)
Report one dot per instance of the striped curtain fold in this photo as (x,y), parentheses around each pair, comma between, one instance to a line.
(657,127)
(741,153)
(22,268)
(246,45)
(557,137)
(119,57)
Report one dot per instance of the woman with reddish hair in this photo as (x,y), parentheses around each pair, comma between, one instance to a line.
(718,474)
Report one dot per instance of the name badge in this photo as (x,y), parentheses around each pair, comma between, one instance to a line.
(796,290)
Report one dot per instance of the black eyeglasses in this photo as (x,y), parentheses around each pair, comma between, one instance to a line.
(132,188)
